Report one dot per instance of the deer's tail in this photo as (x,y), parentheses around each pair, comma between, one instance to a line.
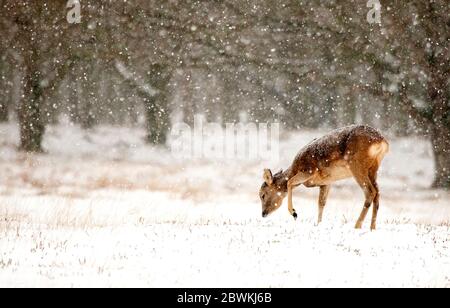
(379,150)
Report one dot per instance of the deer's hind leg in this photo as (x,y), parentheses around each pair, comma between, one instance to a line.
(370,192)
(324,191)
(376,201)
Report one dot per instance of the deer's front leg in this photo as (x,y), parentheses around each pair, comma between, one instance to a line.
(292,183)
(290,204)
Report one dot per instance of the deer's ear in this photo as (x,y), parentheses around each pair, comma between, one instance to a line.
(268,177)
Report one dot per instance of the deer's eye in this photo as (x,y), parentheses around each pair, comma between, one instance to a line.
(263,196)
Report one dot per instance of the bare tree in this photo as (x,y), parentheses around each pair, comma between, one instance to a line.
(417,36)
(5,89)
(38,29)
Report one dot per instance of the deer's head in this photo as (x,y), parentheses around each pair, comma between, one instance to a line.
(272,192)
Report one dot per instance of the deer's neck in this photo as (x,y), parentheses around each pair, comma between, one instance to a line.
(283,178)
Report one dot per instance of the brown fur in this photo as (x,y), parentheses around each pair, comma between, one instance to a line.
(354,151)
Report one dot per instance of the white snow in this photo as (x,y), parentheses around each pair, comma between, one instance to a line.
(101,208)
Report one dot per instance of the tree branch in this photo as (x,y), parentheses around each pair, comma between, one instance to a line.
(142,88)
(418,115)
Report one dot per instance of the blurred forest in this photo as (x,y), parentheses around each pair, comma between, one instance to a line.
(305,64)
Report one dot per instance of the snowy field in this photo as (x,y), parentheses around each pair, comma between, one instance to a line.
(101,209)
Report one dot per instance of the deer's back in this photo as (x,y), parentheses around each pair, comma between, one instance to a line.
(334,152)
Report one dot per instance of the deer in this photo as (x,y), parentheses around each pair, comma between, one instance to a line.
(354,151)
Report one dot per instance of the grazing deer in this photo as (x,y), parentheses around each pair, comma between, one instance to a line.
(353,151)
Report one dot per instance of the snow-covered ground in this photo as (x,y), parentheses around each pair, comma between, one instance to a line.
(102,209)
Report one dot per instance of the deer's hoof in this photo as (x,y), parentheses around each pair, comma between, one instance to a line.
(295,215)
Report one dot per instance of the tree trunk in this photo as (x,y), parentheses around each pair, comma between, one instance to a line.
(439,98)
(30,106)
(5,94)
(157,119)
(440,131)
(31,125)
(189,107)
(441,149)
(73,85)
(157,109)
(229,110)
(88,116)
(5,99)
(3,111)
(349,111)
(333,107)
